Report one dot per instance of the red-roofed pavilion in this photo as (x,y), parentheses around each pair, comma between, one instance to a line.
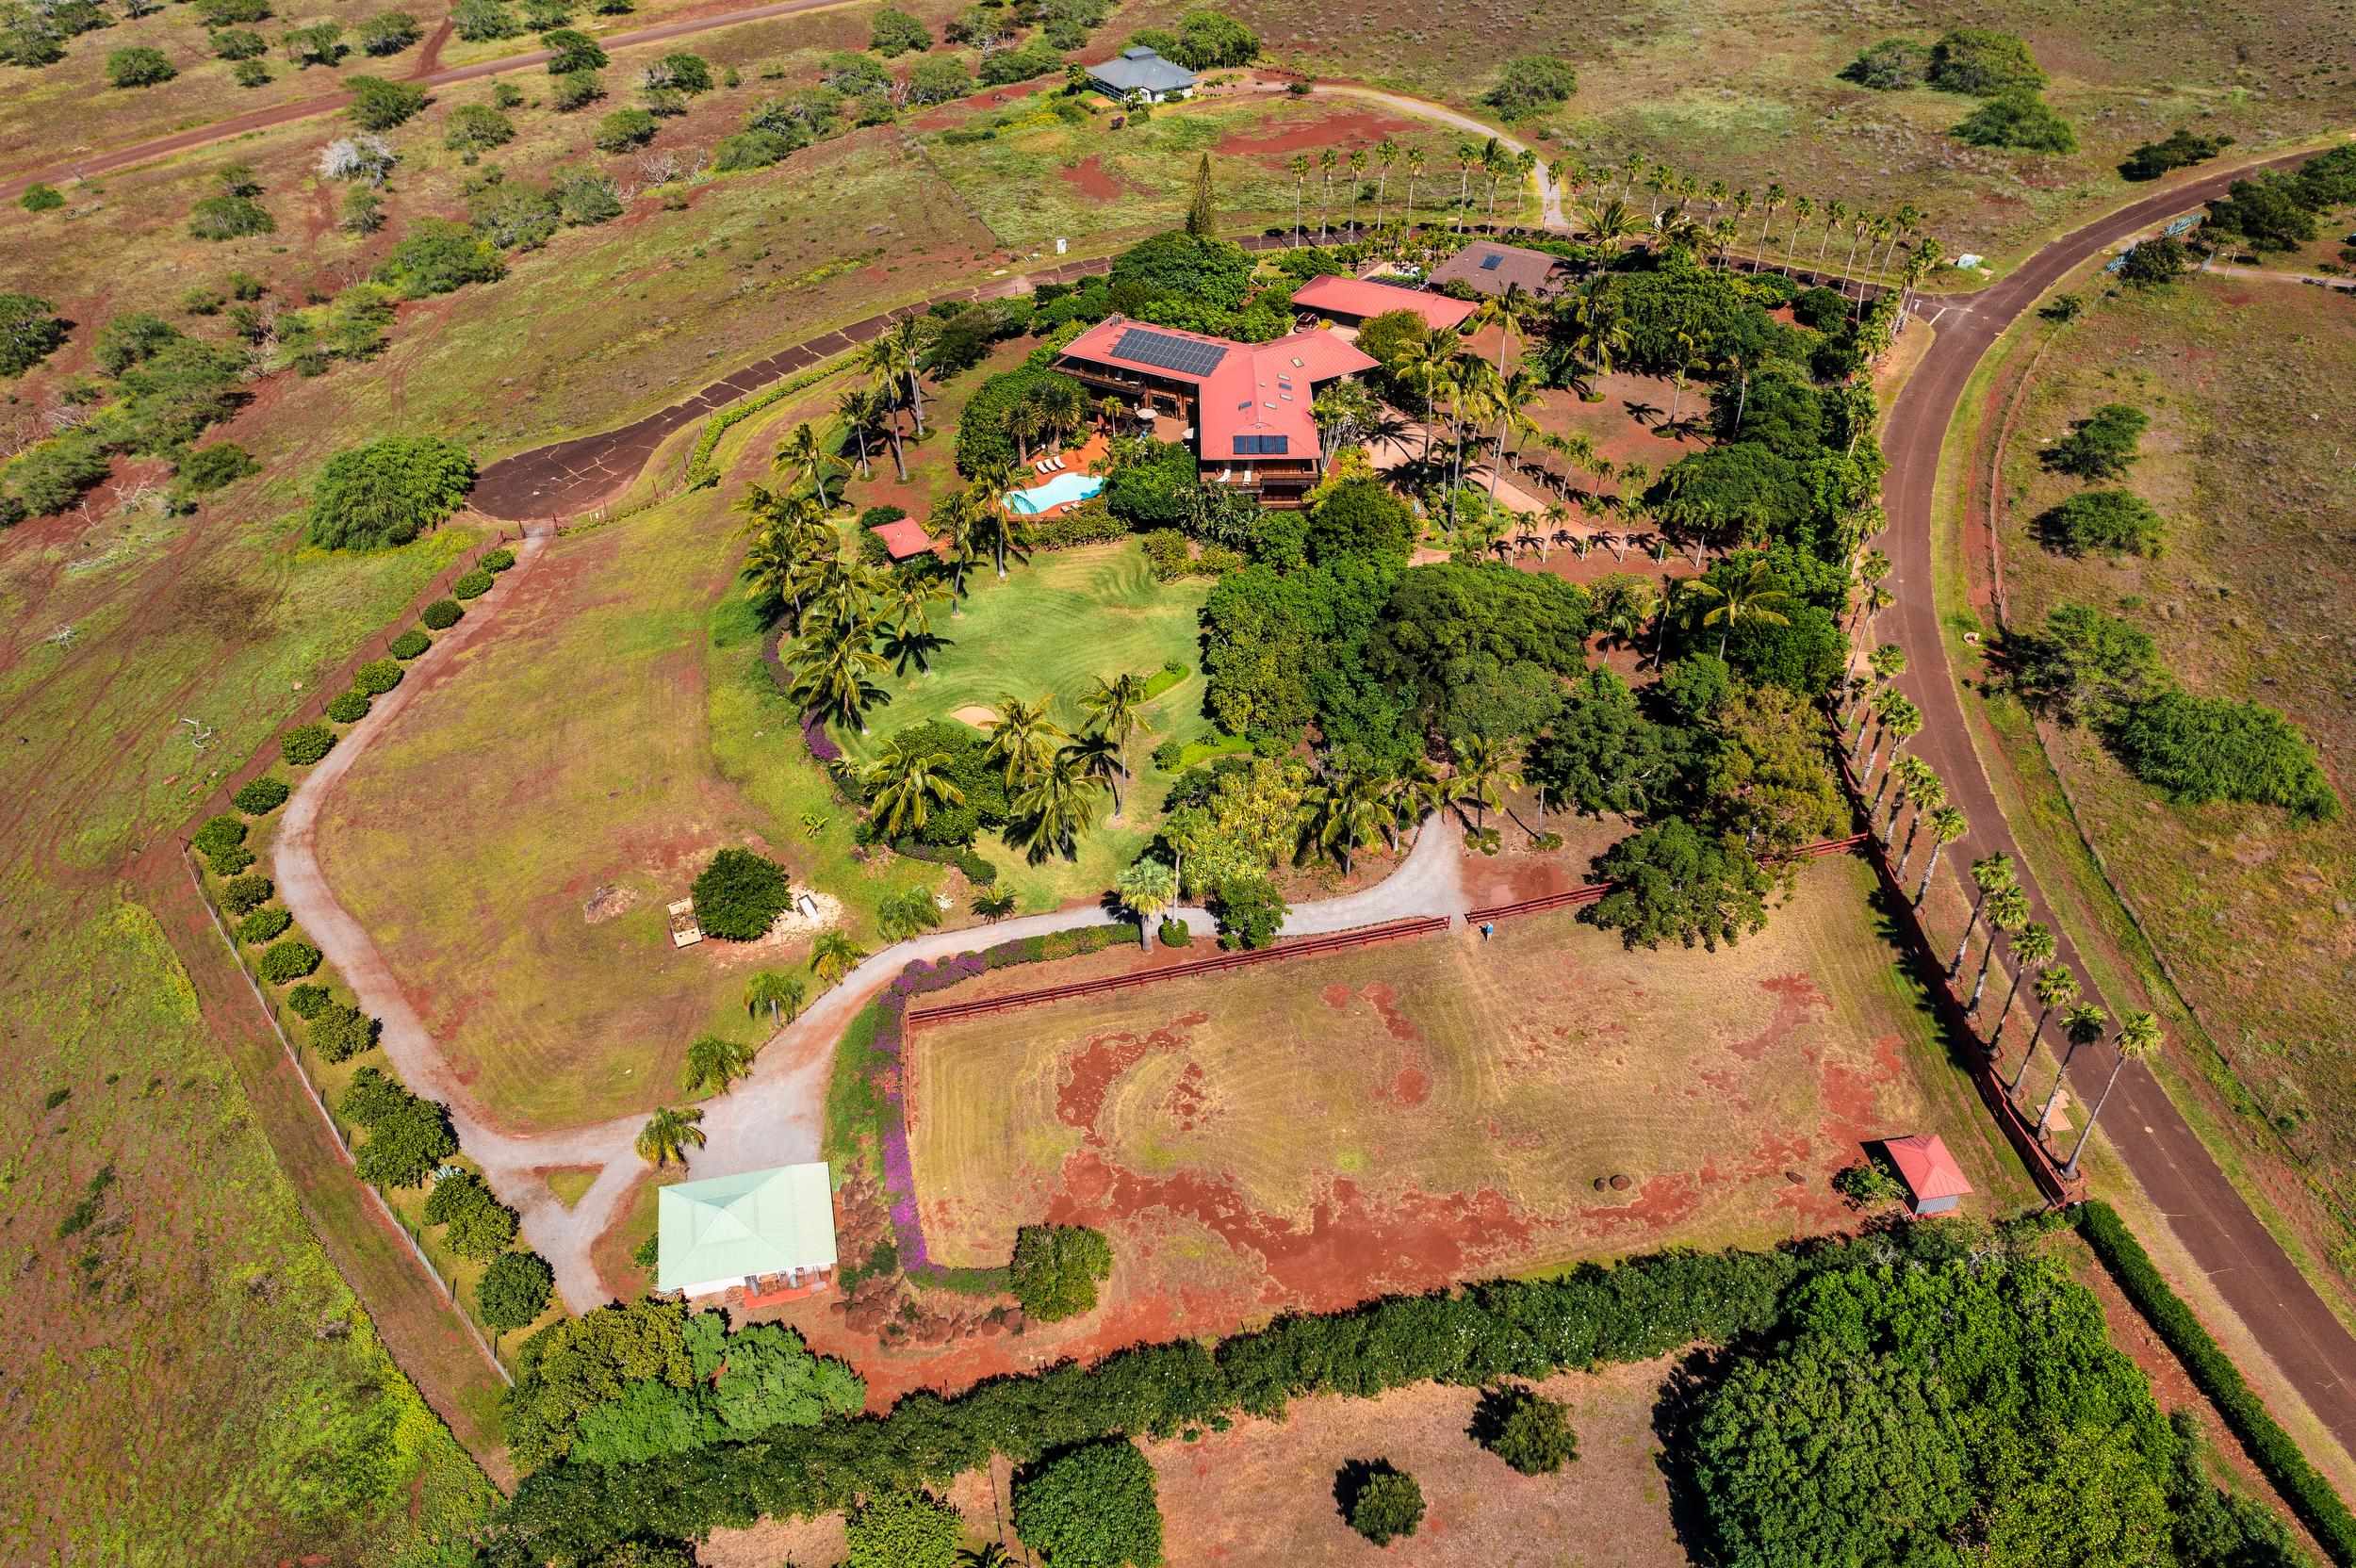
(1930,1172)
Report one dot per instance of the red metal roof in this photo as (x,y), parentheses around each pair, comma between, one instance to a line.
(1256,390)
(1363,298)
(1923,1159)
(904,538)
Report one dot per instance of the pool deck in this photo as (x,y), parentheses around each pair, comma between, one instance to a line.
(1076,462)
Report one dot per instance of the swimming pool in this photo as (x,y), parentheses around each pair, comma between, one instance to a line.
(1054,492)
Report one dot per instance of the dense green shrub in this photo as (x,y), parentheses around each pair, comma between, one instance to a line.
(1983,64)
(378,104)
(441,614)
(1820,309)
(41,197)
(1057,1269)
(228,216)
(903,1530)
(624,129)
(216,833)
(264,924)
(341,1031)
(894,32)
(377,677)
(250,74)
(54,475)
(2309,1492)
(408,1137)
(495,561)
(570,50)
(1383,1503)
(241,895)
(287,960)
(1531,84)
(348,707)
(513,1290)
(1091,1507)
(480,1226)
(472,586)
(2112,522)
(209,468)
(477,129)
(2199,749)
(2182,149)
(1893,65)
(409,643)
(483,21)
(1250,912)
(2101,446)
(1173,933)
(2156,263)
(139,67)
(1526,1429)
(437,256)
(740,895)
(308,1001)
(29,329)
(388,491)
(2265,213)
(388,33)
(2018,120)
(229,860)
(305,743)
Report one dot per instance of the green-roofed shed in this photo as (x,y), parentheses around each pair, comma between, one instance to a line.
(730,1231)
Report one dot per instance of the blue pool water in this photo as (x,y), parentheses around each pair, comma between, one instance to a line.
(1062,488)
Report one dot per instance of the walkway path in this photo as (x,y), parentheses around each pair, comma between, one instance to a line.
(1549,194)
(771,1117)
(307,108)
(2256,1278)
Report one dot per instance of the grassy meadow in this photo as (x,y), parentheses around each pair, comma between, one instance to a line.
(2246,906)
(1288,1107)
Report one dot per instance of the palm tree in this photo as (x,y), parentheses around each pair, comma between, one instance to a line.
(714,1062)
(804,454)
(1415,169)
(1752,597)
(1947,826)
(1988,873)
(1147,886)
(1769,205)
(908,781)
(1467,160)
(993,907)
(1605,222)
(1340,816)
(1357,161)
(888,366)
(2137,1040)
(1802,210)
(1022,737)
(1929,794)
(1326,161)
(669,1134)
(856,408)
(1299,167)
(2057,986)
(1908,772)
(780,992)
(1098,759)
(2033,946)
(832,671)
(2081,1025)
(992,520)
(1484,773)
(1835,212)
(993,1555)
(2007,912)
(1386,154)
(1900,722)
(1051,813)
(1117,708)
(834,955)
(911,335)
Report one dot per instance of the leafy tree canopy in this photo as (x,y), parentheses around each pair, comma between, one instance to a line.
(2108,522)
(1675,881)
(1091,1507)
(2199,749)
(2020,119)
(389,492)
(903,1530)
(1983,64)
(740,895)
(1056,1269)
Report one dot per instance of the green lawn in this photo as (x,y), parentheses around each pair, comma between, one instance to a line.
(1055,626)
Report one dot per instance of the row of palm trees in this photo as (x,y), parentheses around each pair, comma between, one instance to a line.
(2001,905)
(1492,162)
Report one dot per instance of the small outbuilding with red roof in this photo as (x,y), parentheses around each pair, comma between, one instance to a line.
(905,539)
(1929,1171)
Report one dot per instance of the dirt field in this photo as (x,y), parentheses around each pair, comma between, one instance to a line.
(2249,907)
(1305,1134)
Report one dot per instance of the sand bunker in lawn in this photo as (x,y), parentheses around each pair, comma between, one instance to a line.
(1423,1111)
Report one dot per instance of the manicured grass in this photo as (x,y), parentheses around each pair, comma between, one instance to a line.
(1377,1093)
(1054,628)
(572,1182)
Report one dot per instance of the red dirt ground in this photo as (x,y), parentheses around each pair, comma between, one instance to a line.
(1088,176)
(1337,130)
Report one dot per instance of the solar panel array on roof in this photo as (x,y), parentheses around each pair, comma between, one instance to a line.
(1263,446)
(1491,262)
(1162,351)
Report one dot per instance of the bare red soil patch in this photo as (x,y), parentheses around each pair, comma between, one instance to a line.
(1092,179)
(1337,130)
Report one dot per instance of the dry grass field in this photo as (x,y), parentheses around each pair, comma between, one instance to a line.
(1306,1133)
(2247,907)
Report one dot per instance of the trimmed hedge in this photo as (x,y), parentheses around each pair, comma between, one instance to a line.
(441,614)
(263,924)
(410,644)
(229,860)
(308,1001)
(699,469)
(977,870)
(261,796)
(290,959)
(305,743)
(473,585)
(348,707)
(2309,1494)
(377,677)
(495,561)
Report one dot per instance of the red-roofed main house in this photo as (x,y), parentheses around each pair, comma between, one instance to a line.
(1243,407)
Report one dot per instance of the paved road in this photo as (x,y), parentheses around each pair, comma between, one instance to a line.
(2254,1274)
(306,109)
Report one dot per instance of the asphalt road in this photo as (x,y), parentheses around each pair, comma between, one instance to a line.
(2254,1274)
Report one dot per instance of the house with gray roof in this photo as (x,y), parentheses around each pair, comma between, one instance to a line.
(1140,76)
